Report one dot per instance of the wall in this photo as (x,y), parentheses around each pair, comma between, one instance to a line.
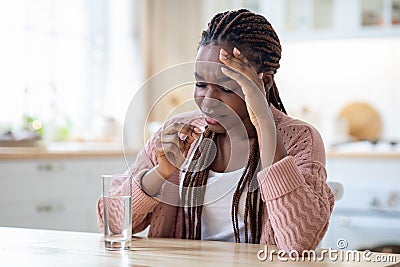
(325,75)
(320,75)
(170,35)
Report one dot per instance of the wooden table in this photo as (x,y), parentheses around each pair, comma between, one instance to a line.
(29,247)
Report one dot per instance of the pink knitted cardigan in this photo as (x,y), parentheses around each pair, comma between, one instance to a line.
(298,201)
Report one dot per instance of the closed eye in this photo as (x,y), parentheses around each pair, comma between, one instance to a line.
(223,88)
(226,89)
(201,84)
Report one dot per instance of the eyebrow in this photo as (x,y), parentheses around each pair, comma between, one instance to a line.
(220,80)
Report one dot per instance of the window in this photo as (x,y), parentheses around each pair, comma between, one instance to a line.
(76,60)
(323,14)
(372,12)
(395,12)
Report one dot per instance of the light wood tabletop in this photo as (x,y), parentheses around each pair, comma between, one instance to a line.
(30,247)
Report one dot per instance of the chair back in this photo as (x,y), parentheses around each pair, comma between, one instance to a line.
(337,189)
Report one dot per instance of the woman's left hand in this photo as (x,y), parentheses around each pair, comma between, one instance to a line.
(253,87)
(252,84)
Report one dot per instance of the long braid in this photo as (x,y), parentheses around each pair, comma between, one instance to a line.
(195,180)
(273,95)
(235,203)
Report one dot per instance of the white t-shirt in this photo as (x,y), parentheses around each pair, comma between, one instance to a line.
(216,220)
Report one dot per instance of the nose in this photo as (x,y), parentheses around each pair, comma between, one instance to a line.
(211,97)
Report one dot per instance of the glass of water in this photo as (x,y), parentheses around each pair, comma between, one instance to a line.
(117,211)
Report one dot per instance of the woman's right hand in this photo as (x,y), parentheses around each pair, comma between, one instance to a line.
(172,147)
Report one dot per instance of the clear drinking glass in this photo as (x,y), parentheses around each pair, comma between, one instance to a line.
(117,211)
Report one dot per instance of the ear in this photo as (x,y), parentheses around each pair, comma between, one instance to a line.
(268,79)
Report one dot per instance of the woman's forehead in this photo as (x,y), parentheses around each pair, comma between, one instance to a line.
(209,53)
(207,65)
(209,71)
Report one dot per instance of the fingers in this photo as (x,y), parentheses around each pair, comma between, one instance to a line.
(248,86)
(177,139)
(234,75)
(238,57)
(169,151)
(237,62)
(159,151)
(178,129)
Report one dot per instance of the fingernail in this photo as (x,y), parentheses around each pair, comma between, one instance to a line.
(224,70)
(223,52)
(221,56)
(236,51)
(197,130)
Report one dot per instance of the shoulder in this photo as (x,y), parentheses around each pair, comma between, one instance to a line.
(300,138)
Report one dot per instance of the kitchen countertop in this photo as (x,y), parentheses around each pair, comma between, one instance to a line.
(364,149)
(363,154)
(85,150)
(65,150)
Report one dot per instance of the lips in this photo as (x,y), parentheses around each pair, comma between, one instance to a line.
(211,118)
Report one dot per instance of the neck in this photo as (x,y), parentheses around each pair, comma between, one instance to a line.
(233,150)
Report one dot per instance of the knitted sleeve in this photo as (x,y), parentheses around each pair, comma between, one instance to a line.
(297,198)
(143,205)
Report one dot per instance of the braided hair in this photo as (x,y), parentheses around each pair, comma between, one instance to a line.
(248,32)
(253,33)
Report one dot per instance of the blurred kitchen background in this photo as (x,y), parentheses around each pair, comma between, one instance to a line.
(70,69)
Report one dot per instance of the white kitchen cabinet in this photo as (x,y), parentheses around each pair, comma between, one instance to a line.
(56,194)
(327,19)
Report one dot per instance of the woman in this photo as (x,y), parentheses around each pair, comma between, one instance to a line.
(279,193)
